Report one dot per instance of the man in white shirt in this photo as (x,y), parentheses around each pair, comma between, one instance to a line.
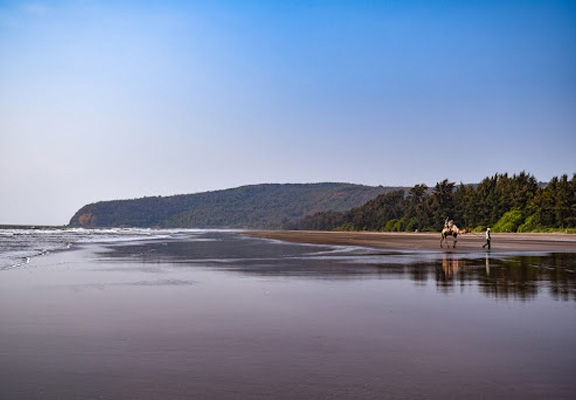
(488,239)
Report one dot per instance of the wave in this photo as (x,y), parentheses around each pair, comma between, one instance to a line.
(19,246)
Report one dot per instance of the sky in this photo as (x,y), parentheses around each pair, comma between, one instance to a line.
(103,100)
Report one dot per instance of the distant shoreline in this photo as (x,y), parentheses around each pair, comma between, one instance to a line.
(553,242)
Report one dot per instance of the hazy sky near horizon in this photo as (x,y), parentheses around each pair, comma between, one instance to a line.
(106,100)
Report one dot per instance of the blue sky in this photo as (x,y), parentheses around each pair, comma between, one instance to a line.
(122,99)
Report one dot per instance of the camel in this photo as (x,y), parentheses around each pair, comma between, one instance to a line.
(451,230)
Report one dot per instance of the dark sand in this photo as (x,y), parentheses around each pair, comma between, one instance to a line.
(427,241)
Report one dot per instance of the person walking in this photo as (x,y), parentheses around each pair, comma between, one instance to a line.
(488,239)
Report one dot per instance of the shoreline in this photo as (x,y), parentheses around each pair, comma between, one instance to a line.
(552,242)
(178,317)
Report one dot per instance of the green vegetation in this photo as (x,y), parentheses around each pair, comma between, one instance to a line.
(507,204)
(257,206)
(509,222)
(517,203)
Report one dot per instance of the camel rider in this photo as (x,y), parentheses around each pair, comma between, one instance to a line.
(448,224)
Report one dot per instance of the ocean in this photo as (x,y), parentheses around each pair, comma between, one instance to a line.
(19,245)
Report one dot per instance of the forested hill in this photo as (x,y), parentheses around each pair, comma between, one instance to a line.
(517,203)
(255,206)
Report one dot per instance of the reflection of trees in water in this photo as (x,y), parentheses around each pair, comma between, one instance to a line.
(519,277)
(561,271)
(512,278)
(419,275)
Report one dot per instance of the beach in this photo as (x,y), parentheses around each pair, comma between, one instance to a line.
(427,241)
(226,315)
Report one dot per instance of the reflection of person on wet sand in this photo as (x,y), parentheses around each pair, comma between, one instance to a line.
(488,239)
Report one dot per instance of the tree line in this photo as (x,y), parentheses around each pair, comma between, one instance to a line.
(517,203)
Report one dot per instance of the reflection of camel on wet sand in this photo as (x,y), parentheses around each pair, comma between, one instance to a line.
(450,265)
(451,230)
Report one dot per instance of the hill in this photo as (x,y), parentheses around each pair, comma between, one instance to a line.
(267,206)
(517,203)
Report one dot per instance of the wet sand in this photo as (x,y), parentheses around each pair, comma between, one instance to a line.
(225,316)
(427,241)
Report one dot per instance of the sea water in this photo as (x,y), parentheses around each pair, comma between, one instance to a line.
(18,246)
